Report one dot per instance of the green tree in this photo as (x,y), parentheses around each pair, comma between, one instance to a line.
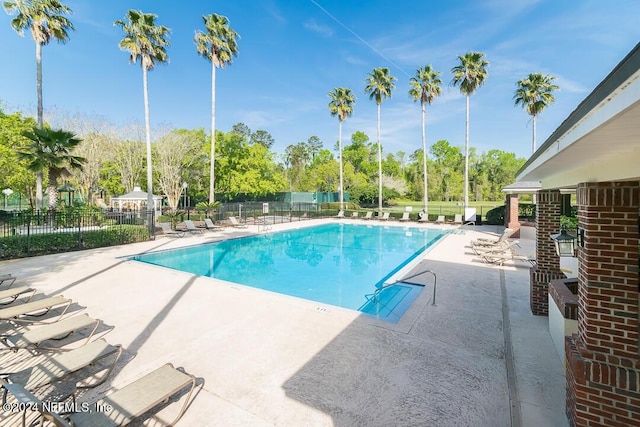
(217,45)
(341,105)
(13,171)
(246,169)
(534,94)
(379,86)
(176,153)
(469,75)
(447,161)
(147,42)
(361,154)
(51,150)
(46,20)
(425,86)
(262,137)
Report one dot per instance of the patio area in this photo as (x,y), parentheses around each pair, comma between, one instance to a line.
(476,358)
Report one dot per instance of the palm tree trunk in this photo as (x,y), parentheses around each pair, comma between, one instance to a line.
(379,166)
(424,160)
(340,153)
(148,132)
(212,167)
(39,174)
(533,141)
(466,159)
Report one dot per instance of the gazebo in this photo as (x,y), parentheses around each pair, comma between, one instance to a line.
(135,200)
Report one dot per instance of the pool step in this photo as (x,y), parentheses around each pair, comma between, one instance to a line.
(396,298)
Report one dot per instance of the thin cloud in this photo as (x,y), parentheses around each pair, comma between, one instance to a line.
(323,30)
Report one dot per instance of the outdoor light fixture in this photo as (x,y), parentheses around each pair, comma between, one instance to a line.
(580,237)
(565,243)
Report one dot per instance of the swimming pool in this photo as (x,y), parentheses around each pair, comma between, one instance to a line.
(338,264)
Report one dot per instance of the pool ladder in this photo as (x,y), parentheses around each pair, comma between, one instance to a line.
(404,279)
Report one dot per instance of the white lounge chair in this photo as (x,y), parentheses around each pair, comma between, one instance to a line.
(7,296)
(491,242)
(166,229)
(210,225)
(405,216)
(423,217)
(440,219)
(35,308)
(457,219)
(354,214)
(500,248)
(129,402)
(34,337)
(500,258)
(59,366)
(191,228)
(6,277)
(340,214)
(384,217)
(368,215)
(237,224)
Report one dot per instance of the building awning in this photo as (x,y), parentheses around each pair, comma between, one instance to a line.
(522,187)
(600,140)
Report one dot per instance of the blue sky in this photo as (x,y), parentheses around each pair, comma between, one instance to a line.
(293,52)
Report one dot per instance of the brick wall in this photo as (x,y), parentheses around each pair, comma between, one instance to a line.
(511,215)
(603,363)
(547,261)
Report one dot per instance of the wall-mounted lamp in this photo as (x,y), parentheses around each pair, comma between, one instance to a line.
(565,243)
(580,237)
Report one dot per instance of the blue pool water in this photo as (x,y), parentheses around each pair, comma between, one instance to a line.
(337,264)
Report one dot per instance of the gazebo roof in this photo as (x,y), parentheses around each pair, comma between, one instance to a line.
(136,194)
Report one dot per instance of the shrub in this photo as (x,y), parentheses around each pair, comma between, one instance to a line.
(41,244)
(495,216)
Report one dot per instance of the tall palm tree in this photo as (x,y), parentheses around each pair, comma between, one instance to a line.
(341,105)
(147,42)
(469,75)
(217,45)
(51,150)
(534,94)
(379,86)
(425,86)
(46,20)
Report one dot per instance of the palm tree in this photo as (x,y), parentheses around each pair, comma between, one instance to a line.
(51,150)
(425,86)
(341,105)
(534,94)
(46,20)
(218,45)
(379,86)
(146,41)
(469,75)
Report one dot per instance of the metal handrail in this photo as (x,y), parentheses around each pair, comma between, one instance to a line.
(388,285)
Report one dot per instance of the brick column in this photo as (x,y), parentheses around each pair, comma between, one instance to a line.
(603,362)
(511,215)
(547,261)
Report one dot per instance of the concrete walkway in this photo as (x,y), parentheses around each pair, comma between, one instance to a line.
(476,358)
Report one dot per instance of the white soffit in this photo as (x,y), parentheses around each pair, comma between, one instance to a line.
(603,146)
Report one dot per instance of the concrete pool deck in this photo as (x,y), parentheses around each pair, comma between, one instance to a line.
(476,358)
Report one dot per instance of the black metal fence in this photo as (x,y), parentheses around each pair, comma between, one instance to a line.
(30,233)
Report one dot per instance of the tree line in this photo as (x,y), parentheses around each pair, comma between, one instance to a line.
(246,166)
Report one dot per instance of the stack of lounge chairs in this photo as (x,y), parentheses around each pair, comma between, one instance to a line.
(498,251)
(48,354)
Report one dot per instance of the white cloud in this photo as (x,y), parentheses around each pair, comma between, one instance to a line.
(323,30)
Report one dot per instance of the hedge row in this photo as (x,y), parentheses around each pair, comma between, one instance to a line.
(19,246)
